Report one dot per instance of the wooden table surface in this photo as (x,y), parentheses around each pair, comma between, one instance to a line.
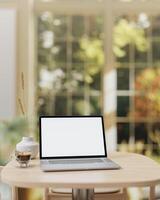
(137,170)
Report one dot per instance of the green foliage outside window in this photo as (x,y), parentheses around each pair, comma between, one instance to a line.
(72,62)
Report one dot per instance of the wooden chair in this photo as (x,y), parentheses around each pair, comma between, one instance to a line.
(100,194)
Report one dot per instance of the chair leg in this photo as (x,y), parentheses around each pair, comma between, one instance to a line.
(82,194)
(46,194)
(125,193)
(152,193)
(14,193)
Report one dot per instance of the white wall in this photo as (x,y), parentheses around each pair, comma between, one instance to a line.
(7,63)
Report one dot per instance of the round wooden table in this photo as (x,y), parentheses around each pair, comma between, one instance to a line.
(137,171)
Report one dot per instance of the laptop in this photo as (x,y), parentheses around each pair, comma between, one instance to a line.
(73,143)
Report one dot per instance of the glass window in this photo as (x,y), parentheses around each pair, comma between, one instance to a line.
(122,106)
(70,61)
(137,54)
(122,79)
(123,132)
(71,68)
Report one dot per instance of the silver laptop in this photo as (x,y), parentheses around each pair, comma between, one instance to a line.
(73,143)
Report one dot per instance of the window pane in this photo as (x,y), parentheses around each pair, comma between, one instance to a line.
(141,133)
(123,132)
(156,51)
(60,26)
(153,106)
(75,83)
(96,79)
(60,105)
(141,107)
(95,27)
(140,56)
(59,51)
(78,105)
(141,83)
(55,23)
(154,136)
(76,58)
(78,26)
(122,79)
(156,26)
(122,106)
(122,53)
(148,83)
(95,105)
(76,77)
(43,103)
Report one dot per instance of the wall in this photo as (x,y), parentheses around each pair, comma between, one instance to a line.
(7,63)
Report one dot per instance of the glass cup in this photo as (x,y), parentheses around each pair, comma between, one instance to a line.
(23,158)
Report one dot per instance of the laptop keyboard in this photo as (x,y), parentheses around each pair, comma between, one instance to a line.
(75,161)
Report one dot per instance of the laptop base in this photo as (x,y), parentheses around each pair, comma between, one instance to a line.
(78,164)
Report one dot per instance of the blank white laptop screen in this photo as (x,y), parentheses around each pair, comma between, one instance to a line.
(72,137)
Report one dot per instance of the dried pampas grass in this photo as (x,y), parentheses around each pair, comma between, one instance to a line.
(21,101)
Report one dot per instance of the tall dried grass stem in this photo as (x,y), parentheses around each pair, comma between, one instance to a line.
(22,80)
(21,106)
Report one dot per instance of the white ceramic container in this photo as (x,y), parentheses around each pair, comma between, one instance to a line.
(28,144)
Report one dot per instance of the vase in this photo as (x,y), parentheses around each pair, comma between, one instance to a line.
(28,144)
